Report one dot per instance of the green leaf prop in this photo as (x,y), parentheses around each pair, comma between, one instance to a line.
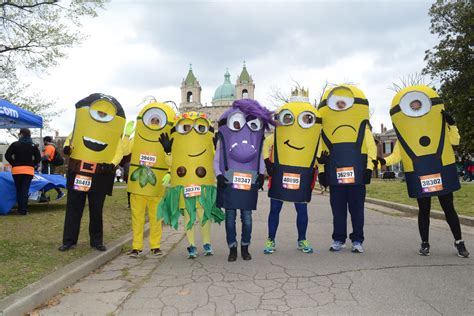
(144,175)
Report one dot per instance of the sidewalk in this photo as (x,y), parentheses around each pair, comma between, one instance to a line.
(390,277)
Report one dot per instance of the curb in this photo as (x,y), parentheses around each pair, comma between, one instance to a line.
(412,210)
(28,298)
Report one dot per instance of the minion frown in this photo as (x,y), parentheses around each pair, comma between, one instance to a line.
(98,127)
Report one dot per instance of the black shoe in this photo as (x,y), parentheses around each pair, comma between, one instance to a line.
(100,247)
(23,213)
(424,249)
(65,247)
(233,254)
(156,252)
(245,252)
(462,251)
(134,253)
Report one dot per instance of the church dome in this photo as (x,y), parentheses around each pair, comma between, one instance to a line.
(225,91)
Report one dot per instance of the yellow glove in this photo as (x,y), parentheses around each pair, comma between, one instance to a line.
(166,180)
(129,128)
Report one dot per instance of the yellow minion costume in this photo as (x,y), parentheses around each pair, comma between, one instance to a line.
(348,149)
(426,135)
(148,166)
(95,149)
(193,187)
(290,158)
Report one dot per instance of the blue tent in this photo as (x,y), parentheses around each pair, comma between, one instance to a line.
(12,116)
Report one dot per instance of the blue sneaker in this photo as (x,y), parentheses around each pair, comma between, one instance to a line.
(337,245)
(208,250)
(60,195)
(357,247)
(270,247)
(304,246)
(192,252)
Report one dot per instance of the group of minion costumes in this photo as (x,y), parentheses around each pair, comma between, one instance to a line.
(181,167)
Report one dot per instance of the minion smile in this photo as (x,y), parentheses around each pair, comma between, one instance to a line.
(287,143)
(148,140)
(93,144)
(198,154)
(344,125)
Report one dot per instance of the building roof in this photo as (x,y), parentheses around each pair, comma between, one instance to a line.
(244,75)
(190,78)
(225,91)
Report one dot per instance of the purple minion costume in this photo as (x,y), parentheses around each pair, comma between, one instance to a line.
(238,163)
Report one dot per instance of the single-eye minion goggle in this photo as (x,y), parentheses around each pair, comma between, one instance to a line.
(306,119)
(186,125)
(341,103)
(155,119)
(415,104)
(237,120)
(102,108)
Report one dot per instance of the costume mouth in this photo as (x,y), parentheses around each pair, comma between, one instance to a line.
(148,140)
(198,154)
(345,125)
(287,143)
(93,144)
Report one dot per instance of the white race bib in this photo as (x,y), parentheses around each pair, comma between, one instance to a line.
(192,190)
(345,175)
(82,183)
(242,181)
(147,159)
(291,181)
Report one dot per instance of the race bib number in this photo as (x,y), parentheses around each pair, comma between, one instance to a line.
(345,175)
(242,181)
(192,190)
(147,159)
(291,181)
(431,183)
(82,183)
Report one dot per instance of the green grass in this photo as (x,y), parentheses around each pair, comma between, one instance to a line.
(396,191)
(28,244)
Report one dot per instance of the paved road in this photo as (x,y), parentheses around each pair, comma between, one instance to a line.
(389,278)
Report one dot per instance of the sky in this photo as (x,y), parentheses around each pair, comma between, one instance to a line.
(140,48)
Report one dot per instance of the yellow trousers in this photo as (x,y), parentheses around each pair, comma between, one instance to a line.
(139,205)
(205,230)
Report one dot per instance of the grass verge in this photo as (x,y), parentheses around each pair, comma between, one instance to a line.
(28,244)
(396,191)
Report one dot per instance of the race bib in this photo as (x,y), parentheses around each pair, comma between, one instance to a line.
(192,190)
(82,183)
(147,159)
(242,181)
(291,181)
(345,175)
(431,183)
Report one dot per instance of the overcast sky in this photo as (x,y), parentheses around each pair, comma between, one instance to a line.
(139,48)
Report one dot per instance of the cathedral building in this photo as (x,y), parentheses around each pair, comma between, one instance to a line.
(224,95)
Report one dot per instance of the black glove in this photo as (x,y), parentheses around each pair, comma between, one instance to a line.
(269,167)
(367,176)
(382,161)
(260,181)
(322,179)
(221,181)
(375,162)
(67,150)
(108,168)
(324,157)
(166,142)
(448,118)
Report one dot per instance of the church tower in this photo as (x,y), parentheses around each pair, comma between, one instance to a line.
(244,86)
(190,92)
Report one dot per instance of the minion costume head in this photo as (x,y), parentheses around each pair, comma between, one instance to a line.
(296,141)
(344,111)
(148,165)
(98,127)
(192,174)
(426,151)
(95,144)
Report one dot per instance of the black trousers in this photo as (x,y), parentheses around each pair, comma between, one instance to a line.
(446,201)
(22,184)
(76,201)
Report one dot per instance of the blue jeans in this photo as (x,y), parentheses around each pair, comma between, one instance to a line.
(342,198)
(231,234)
(274,218)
